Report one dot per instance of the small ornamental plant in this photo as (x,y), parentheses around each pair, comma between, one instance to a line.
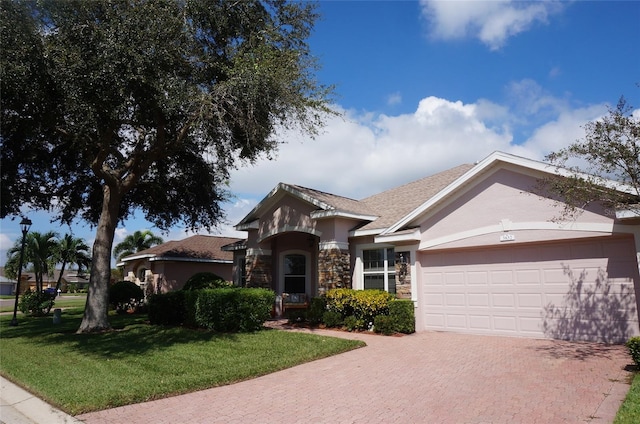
(633,344)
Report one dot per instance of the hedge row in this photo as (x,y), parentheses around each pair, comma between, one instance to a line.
(360,310)
(223,310)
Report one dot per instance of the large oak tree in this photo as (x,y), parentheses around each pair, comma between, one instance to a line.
(111,107)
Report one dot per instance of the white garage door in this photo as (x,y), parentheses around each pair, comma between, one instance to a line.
(579,290)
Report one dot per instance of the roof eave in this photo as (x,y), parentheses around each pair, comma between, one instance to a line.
(334,213)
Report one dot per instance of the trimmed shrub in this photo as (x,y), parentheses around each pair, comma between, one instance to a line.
(402,314)
(35,304)
(168,308)
(364,305)
(351,323)
(206,280)
(297,315)
(231,309)
(124,294)
(332,319)
(633,344)
(384,324)
(317,308)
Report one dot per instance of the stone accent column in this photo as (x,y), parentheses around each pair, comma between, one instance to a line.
(258,268)
(334,270)
(403,275)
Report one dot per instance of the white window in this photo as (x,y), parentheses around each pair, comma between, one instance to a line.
(378,269)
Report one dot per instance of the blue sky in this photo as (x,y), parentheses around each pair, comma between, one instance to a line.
(424,86)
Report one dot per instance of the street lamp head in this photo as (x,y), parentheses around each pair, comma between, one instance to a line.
(25,224)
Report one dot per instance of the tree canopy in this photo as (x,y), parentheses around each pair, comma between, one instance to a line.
(610,151)
(111,107)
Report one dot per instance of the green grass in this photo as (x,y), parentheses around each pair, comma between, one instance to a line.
(66,301)
(629,412)
(138,362)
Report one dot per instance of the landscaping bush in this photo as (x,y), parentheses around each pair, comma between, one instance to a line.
(297,315)
(317,308)
(384,324)
(402,314)
(125,294)
(633,344)
(35,304)
(206,280)
(332,319)
(351,323)
(231,309)
(364,305)
(167,309)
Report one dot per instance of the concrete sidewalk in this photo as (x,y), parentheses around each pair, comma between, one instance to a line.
(17,406)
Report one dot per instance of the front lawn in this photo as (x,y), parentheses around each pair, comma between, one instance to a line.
(629,412)
(64,301)
(80,373)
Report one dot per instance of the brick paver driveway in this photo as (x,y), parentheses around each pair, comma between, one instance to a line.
(421,378)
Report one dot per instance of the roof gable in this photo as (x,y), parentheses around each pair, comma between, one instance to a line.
(497,160)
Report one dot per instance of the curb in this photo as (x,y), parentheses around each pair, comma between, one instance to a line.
(21,407)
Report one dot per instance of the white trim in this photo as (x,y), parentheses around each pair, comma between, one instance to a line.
(364,233)
(517,226)
(414,235)
(330,245)
(359,266)
(256,251)
(136,257)
(334,213)
(183,259)
(289,228)
(252,225)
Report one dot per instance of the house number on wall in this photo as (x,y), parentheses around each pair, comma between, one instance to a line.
(507,237)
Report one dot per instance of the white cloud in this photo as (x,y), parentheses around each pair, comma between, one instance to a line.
(492,22)
(119,235)
(394,99)
(359,155)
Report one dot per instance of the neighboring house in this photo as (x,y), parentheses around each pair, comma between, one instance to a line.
(168,266)
(7,285)
(475,248)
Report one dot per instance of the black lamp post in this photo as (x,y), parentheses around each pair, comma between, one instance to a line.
(25,224)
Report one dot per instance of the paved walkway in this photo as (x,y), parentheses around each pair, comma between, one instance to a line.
(422,378)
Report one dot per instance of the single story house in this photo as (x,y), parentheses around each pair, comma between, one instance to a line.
(477,248)
(168,266)
(7,285)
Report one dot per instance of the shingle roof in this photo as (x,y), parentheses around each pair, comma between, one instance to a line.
(339,203)
(194,247)
(394,204)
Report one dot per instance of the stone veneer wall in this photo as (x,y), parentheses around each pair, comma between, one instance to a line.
(403,280)
(334,270)
(258,269)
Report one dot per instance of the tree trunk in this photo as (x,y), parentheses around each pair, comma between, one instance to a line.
(95,318)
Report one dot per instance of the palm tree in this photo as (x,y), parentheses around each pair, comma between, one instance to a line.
(71,250)
(39,251)
(136,242)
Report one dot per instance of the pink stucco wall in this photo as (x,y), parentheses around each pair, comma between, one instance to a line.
(506,200)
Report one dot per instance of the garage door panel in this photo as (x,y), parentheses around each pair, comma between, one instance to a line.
(572,296)
(527,276)
(456,321)
(530,300)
